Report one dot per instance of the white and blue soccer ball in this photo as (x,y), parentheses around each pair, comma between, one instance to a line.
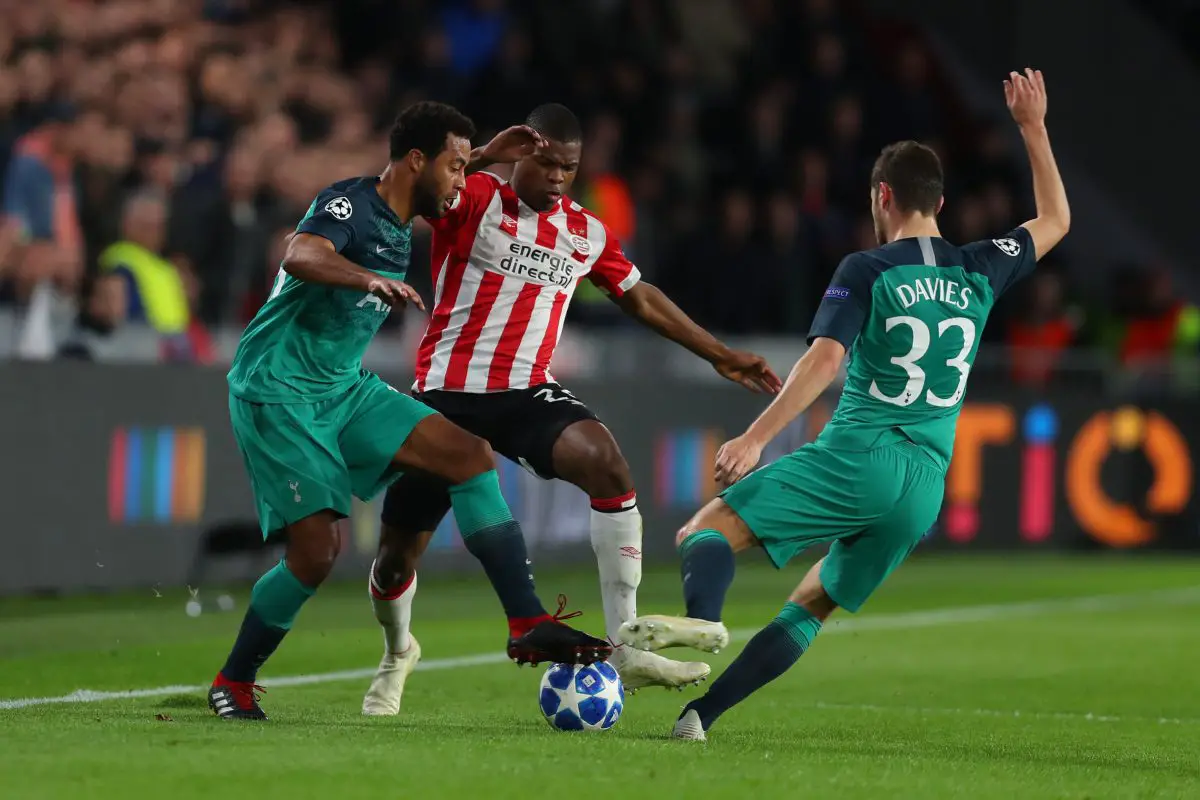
(581,698)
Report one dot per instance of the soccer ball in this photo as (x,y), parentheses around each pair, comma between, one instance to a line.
(581,698)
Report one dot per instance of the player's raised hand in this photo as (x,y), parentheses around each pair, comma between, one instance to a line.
(512,145)
(750,370)
(395,293)
(1026,97)
(735,458)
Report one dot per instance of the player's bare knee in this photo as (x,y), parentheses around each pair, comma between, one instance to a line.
(811,595)
(691,528)
(440,448)
(682,534)
(587,455)
(700,521)
(462,456)
(475,456)
(818,603)
(312,552)
(718,516)
(607,473)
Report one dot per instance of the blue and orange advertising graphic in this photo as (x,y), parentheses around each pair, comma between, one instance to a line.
(1106,519)
(683,467)
(156,475)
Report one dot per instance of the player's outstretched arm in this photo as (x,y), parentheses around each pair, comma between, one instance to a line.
(1026,99)
(508,147)
(648,305)
(811,376)
(313,259)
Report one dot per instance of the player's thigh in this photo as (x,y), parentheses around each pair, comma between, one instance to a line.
(416,502)
(293,461)
(856,566)
(809,497)
(378,420)
(532,422)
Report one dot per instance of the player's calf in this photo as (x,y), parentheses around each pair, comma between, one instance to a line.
(587,455)
(769,654)
(441,448)
(707,544)
(275,601)
(392,584)
(398,557)
(706,547)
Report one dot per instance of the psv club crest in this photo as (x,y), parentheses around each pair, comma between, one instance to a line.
(577,235)
(581,244)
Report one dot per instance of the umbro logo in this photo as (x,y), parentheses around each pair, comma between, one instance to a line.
(631,552)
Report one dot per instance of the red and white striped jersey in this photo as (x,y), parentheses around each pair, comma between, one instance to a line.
(503,276)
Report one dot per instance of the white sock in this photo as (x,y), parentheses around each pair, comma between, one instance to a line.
(394,612)
(617,540)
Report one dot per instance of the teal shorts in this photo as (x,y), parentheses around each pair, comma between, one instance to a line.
(874,507)
(307,457)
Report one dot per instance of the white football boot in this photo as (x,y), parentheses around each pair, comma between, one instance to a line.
(383,698)
(656,632)
(639,669)
(688,727)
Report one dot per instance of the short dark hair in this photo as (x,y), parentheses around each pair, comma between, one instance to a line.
(555,121)
(424,126)
(914,172)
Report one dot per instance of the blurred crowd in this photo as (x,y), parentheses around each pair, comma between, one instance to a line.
(154,154)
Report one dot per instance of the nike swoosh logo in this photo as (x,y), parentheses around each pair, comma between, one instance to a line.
(381,250)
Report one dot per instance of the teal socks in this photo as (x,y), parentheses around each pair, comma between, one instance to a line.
(494,537)
(771,652)
(274,604)
(278,596)
(706,566)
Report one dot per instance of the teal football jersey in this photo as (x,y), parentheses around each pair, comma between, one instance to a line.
(307,341)
(910,314)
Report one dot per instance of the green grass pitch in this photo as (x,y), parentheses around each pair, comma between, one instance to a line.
(995,677)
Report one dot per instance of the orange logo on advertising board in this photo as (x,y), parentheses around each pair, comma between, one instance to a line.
(1119,524)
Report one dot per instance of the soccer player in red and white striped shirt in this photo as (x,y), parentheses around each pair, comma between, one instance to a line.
(506,260)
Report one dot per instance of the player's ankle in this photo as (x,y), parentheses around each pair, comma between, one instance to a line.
(519,626)
(224,680)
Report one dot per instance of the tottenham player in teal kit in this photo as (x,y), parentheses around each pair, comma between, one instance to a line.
(909,314)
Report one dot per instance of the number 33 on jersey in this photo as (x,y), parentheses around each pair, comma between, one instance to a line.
(909,314)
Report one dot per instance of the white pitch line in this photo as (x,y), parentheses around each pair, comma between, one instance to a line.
(882,622)
(1073,716)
